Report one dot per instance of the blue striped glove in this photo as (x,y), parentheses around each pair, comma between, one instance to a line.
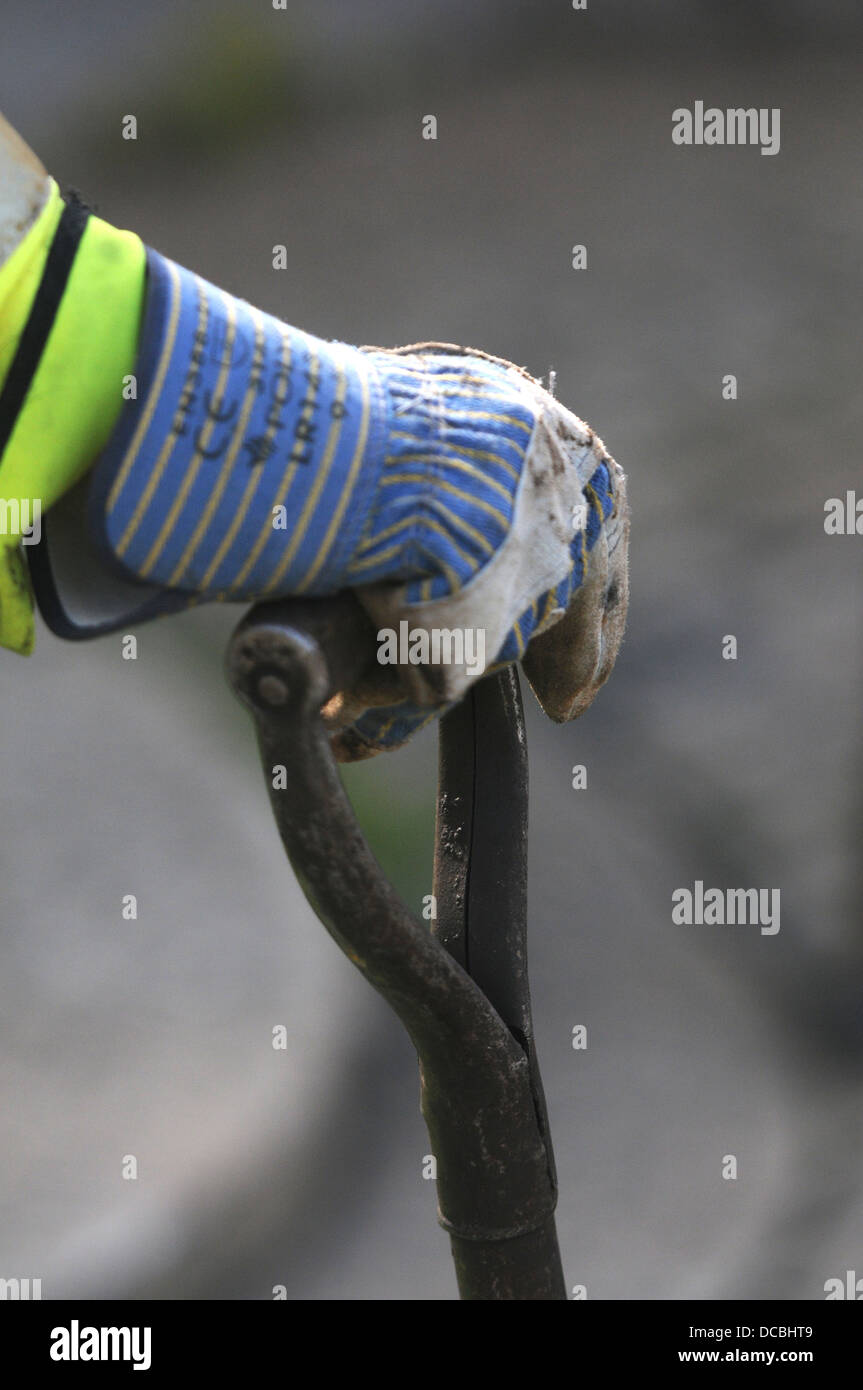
(478,521)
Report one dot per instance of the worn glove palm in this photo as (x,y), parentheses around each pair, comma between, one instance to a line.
(511,525)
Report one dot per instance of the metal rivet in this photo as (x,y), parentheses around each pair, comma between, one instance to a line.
(272,690)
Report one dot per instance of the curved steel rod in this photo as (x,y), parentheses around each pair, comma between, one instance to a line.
(496,1189)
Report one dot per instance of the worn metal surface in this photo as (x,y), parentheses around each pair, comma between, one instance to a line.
(481,1097)
(481,898)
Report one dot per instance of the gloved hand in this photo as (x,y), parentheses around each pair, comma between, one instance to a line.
(447,487)
(477,519)
(545,577)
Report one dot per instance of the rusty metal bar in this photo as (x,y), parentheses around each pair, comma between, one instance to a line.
(481,1097)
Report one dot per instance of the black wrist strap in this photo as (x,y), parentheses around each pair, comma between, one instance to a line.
(61,255)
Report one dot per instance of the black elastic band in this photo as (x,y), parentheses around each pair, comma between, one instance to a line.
(43,312)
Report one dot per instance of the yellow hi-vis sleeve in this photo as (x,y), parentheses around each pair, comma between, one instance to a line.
(77,391)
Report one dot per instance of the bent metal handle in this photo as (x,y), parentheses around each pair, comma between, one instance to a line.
(481,1097)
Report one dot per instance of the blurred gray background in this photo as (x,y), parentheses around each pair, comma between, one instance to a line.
(303,1167)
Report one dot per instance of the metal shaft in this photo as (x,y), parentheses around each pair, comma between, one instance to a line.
(480,1094)
(481,897)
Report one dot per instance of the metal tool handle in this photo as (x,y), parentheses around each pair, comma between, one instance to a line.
(481,1097)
